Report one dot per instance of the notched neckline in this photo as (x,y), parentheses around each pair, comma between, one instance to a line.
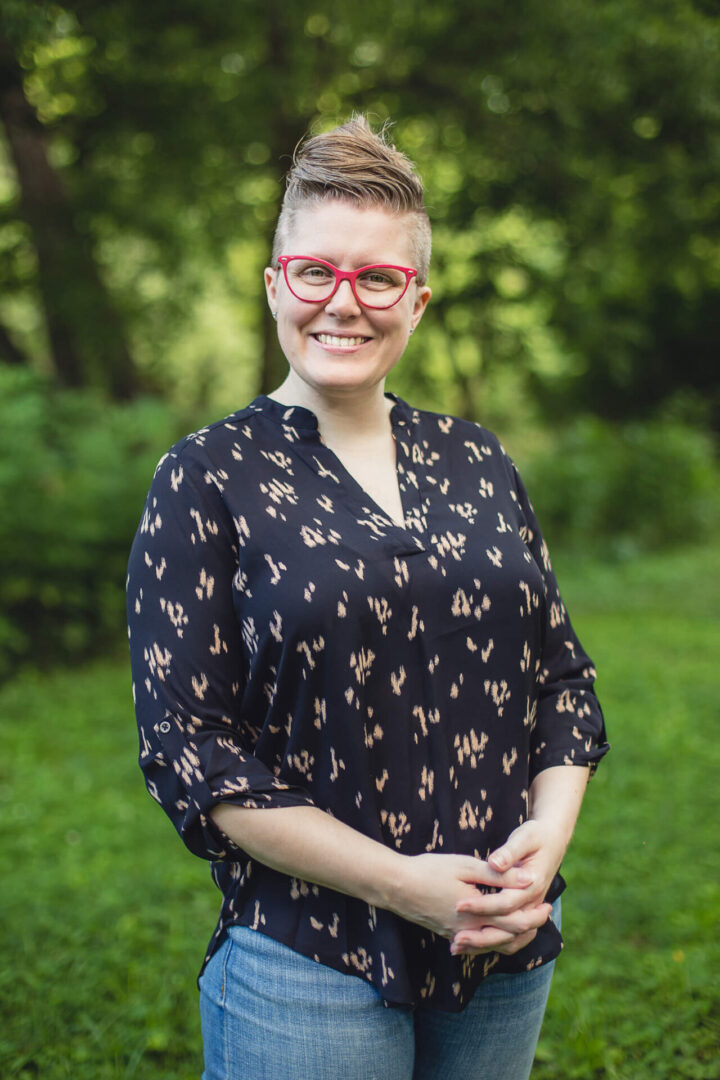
(305,420)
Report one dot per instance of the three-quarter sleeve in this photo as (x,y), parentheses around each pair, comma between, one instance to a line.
(293,645)
(188,664)
(569,727)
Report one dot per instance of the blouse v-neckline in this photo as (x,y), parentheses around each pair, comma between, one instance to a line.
(305,423)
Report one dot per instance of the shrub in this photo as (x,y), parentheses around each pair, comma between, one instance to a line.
(622,489)
(74,470)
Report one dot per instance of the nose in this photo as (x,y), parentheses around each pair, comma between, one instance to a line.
(343,304)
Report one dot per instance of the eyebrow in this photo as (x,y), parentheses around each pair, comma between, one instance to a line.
(360,262)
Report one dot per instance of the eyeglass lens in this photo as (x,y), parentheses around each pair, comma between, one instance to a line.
(377,286)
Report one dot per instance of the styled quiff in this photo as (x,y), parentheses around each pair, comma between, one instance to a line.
(354,164)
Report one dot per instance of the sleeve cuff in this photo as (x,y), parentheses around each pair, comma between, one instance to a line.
(570,730)
(208,768)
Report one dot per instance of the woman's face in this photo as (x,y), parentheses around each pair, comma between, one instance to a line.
(339,346)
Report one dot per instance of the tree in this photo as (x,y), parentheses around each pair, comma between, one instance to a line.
(570,153)
(602,121)
(84,332)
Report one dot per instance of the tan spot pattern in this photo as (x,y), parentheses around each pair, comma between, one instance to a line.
(293,646)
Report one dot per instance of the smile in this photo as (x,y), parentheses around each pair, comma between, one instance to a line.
(336,341)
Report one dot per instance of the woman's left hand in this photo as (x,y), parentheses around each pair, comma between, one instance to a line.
(538,846)
(538,849)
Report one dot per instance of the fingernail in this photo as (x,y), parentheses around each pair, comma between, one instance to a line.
(525,877)
(499,860)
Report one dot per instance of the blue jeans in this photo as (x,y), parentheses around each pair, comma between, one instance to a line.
(269,1013)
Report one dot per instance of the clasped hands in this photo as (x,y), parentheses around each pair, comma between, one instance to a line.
(509,919)
(443,893)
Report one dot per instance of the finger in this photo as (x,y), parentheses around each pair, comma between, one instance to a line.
(518,943)
(479,872)
(508,947)
(504,902)
(486,940)
(519,922)
(518,846)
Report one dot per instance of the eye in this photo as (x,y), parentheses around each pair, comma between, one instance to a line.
(378,277)
(313,273)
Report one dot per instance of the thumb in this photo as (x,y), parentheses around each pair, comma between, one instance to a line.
(501,859)
(517,846)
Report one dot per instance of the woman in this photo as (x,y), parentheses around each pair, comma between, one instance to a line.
(342,610)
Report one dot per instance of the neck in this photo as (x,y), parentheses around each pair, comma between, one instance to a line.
(361,414)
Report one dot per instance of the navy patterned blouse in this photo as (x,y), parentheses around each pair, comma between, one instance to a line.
(293,646)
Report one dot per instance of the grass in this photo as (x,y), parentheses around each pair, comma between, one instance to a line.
(636,992)
(105,916)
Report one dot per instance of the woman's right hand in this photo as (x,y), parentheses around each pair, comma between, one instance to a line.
(430,886)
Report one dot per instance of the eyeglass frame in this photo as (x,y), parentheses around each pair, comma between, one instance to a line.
(347,275)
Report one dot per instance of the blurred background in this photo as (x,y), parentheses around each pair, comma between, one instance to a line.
(571,158)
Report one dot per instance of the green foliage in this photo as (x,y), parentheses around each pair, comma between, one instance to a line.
(22,20)
(570,153)
(74,470)
(603,118)
(619,489)
(106,916)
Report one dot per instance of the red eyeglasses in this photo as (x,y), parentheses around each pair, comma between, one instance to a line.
(315,281)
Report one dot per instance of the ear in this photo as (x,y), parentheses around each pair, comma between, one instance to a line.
(422,295)
(271,277)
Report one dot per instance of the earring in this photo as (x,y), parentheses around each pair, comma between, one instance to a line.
(412,329)
(274,315)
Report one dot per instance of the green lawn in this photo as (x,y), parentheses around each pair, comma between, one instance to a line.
(106,916)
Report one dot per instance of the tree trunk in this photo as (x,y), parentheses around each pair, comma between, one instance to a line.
(9,352)
(286,129)
(86,338)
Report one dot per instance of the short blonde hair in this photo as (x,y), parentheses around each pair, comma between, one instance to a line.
(355,164)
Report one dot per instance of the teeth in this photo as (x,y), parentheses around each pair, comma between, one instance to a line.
(332,339)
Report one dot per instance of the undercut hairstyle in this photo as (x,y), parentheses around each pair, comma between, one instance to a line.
(354,164)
